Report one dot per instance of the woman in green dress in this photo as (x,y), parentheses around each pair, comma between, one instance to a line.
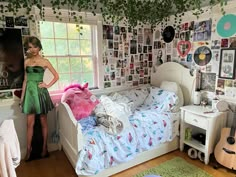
(35,98)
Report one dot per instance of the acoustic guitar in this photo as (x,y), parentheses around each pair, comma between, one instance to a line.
(225,150)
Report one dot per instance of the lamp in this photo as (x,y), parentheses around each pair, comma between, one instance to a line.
(197,93)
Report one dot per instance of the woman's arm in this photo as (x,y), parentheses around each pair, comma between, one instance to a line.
(54,73)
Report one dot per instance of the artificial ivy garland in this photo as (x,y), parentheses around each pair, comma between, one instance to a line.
(132,12)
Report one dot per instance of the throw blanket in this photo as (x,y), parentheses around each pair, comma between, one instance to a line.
(112,116)
(9,149)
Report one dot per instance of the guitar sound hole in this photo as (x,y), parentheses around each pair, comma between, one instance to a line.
(231,140)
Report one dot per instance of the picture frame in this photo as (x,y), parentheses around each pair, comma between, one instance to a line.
(208,82)
(227,63)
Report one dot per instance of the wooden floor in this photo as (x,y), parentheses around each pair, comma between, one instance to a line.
(57,165)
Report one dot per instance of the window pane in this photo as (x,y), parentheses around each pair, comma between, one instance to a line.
(46,29)
(85,47)
(53,61)
(76,65)
(60,30)
(54,87)
(87,64)
(76,78)
(48,47)
(88,77)
(86,32)
(61,47)
(74,48)
(63,65)
(64,80)
(73,32)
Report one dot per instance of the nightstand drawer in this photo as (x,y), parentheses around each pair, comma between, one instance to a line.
(196,120)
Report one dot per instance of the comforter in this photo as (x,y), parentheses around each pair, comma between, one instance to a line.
(102,150)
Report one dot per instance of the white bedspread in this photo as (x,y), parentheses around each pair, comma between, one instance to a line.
(102,150)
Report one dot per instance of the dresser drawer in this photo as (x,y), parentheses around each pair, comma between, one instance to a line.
(196,120)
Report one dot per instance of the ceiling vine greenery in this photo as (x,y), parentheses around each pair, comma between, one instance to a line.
(132,12)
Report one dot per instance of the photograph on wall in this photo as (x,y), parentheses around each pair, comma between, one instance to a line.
(227,63)
(148,36)
(208,81)
(220,89)
(230,92)
(107,32)
(9,22)
(21,21)
(25,31)
(224,43)
(117,30)
(11,59)
(215,44)
(232,42)
(133,47)
(202,30)
(107,84)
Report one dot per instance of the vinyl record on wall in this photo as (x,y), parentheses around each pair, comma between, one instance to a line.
(226,26)
(202,56)
(168,34)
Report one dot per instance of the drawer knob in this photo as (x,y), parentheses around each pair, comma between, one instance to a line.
(195,120)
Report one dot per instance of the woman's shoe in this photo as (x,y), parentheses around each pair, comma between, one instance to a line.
(27,157)
(45,154)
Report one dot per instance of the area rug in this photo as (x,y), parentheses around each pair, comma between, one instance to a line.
(176,167)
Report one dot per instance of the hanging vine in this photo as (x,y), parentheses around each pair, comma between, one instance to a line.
(132,12)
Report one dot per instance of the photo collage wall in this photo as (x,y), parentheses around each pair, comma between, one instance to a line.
(206,45)
(127,56)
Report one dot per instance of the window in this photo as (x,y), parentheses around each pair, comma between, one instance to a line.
(71,54)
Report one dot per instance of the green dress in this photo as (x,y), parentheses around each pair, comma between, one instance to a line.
(36,100)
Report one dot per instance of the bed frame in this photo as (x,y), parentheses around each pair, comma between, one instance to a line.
(71,138)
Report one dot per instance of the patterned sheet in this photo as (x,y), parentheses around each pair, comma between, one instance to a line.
(148,129)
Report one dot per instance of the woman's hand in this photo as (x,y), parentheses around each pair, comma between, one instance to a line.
(42,85)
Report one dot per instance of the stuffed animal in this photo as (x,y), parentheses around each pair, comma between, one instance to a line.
(80,99)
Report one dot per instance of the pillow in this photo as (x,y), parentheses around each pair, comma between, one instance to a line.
(137,96)
(118,98)
(161,100)
(173,87)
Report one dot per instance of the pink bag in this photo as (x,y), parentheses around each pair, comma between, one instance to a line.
(80,99)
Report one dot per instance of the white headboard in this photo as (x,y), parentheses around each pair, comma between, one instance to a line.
(172,71)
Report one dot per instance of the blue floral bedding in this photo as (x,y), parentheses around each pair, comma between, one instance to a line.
(102,150)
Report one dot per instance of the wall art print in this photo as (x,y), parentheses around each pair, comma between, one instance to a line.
(227,63)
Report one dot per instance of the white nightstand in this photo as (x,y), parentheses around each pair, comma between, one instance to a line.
(199,121)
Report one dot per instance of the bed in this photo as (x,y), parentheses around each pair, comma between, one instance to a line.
(72,138)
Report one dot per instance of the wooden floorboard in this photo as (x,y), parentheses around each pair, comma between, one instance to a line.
(57,165)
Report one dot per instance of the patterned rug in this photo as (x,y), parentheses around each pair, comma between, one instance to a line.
(176,167)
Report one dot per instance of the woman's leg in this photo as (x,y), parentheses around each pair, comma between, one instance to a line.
(44,124)
(30,131)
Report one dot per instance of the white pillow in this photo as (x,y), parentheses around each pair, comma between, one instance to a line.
(173,87)
(162,100)
(137,95)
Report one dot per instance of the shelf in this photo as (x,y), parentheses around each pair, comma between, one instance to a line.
(195,144)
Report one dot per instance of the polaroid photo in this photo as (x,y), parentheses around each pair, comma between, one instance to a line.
(21,21)
(9,21)
(25,31)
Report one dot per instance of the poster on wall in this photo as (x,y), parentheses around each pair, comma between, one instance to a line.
(11,59)
(227,63)
(202,30)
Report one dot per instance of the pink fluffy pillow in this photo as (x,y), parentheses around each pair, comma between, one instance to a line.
(80,99)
